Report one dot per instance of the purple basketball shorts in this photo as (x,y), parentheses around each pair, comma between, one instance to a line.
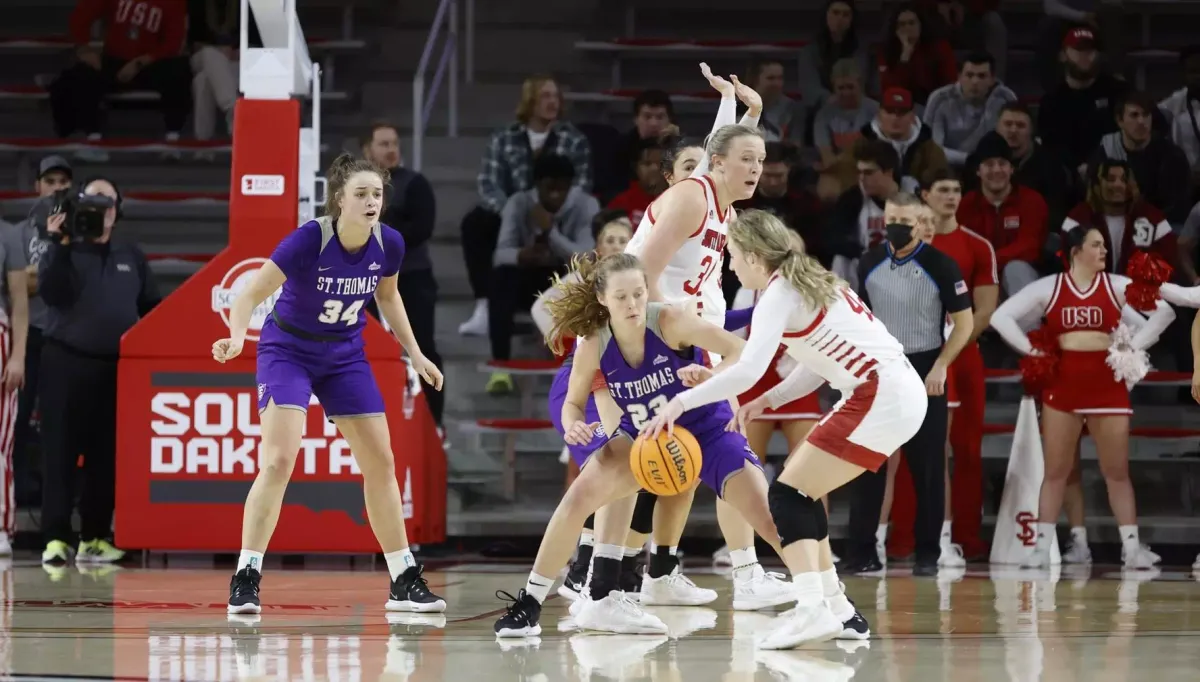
(336,372)
(558,396)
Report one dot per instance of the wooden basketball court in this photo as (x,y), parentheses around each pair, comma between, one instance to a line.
(984,625)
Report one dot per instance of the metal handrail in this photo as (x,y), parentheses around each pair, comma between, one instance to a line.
(447,18)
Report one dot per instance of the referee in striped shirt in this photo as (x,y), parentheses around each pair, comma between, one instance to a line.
(911,287)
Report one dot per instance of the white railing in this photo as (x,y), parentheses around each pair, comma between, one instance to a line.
(445,22)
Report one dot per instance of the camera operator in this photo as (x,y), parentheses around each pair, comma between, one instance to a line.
(96,288)
(54,175)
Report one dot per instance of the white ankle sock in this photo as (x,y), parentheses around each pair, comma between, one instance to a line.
(742,558)
(1079,535)
(946,529)
(831,587)
(586,538)
(808,589)
(399,561)
(1129,538)
(881,533)
(1046,535)
(673,549)
(248,559)
(538,586)
(632,551)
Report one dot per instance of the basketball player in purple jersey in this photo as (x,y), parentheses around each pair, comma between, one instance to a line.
(646,352)
(312,343)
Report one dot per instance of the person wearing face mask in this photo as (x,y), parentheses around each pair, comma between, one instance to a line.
(96,286)
(1159,164)
(911,287)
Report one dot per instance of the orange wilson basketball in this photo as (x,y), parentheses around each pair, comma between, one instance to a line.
(667,466)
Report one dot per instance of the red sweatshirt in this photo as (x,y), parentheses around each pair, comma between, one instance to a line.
(1017,228)
(633,201)
(133,28)
(931,66)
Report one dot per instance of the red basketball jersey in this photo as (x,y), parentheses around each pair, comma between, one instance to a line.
(1093,310)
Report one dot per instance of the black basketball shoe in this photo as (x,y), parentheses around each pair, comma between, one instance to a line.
(243,592)
(521,617)
(410,592)
(572,584)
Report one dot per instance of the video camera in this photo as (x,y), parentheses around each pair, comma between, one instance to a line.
(84,213)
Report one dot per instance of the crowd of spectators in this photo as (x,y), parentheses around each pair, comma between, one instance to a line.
(872,120)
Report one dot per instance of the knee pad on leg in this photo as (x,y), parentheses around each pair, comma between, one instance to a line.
(795,514)
(643,513)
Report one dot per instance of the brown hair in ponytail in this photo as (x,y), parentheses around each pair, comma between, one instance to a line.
(577,309)
(340,171)
(782,251)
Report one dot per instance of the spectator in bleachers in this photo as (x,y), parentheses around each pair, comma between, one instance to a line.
(1010,216)
(1115,206)
(54,174)
(506,169)
(835,41)
(799,209)
(213,33)
(898,125)
(914,58)
(841,118)
(974,25)
(962,113)
(411,209)
(1159,164)
(1098,17)
(1079,110)
(856,221)
(142,50)
(541,229)
(1182,110)
(647,184)
(1034,166)
(653,113)
(782,118)
(1189,238)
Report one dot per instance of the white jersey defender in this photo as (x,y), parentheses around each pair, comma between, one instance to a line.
(843,343)
(694,272)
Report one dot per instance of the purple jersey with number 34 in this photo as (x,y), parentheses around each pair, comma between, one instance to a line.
(312,342)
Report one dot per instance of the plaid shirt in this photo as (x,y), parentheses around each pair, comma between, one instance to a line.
(508,164)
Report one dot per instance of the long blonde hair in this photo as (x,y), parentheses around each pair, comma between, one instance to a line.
(782,252)
(576,310)
(530,91)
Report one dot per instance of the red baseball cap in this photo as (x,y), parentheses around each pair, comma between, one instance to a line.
(1080,39)
(897,99)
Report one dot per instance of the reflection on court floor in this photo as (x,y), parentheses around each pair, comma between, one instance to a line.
(986,625)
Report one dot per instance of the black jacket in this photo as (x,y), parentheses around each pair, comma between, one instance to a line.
(411,209)
(95,293)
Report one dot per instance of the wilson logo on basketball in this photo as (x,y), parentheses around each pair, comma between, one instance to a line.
(1027,534)
(678,462)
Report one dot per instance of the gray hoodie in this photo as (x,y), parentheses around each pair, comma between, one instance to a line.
(958,124)
(570,234)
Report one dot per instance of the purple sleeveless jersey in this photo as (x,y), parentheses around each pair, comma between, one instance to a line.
(643,391)
(312,341)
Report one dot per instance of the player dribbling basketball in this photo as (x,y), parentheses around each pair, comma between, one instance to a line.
(312,343)
(645,351)
(834,338)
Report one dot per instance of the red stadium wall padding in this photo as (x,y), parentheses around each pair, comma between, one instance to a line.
(187,432)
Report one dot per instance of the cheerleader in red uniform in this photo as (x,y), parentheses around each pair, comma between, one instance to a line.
(1098,359)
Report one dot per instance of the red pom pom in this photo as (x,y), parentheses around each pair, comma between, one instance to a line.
(1148,267)
(1148,271)
(1038,369)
